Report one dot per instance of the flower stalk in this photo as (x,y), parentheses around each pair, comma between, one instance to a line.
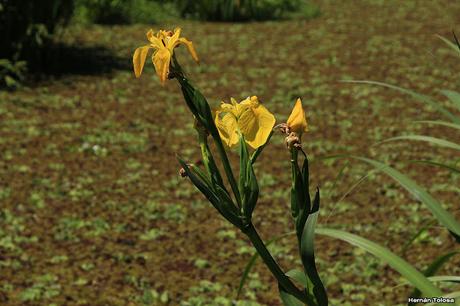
(272,265)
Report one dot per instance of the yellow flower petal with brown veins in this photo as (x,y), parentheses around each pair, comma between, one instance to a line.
(297,122)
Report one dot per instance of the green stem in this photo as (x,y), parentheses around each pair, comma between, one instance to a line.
(294,158)
(270,262)
(227,168)
(206,155)
(212,131)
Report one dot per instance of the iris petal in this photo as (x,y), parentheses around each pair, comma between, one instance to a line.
(190,48)
(164,43)
(264,122)
(161,60)
(139,58)
(249,118)
(297,121)
(228,129)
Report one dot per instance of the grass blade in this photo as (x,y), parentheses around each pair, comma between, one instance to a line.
(453,96)
(422,98)
(414,237)
(436,279)
(437,164)
(445,278)
(350,190)
(450,44)
(438,262)
(416,278)
(444,123)
(433,140)
(444,217)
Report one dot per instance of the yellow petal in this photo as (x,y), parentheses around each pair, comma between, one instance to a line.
(248,123)
(161,60)
(228,129)
(243,106)
(226,108)
(173,40)
(259,127)
(154,40)
(190,48)
(297,121)
(139,59)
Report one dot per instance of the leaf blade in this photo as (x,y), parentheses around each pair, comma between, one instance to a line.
(422,98)
(432,140)
(416,278)
(419,193)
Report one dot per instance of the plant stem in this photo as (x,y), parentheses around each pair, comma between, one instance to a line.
(227,168)
(270,262)
(294,158)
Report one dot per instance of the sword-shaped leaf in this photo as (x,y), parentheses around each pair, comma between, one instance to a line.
(416,278)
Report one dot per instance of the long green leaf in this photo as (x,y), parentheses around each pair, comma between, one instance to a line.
(307,251)
(249,188)
(438,262)
(445,278)
(422,98)
(416,278)
(450,44)
(444,217)
(208,192)
(432,269)
(436,279)
(433,140)
(298,276)
(453,96)
(444,123)
(437,164)
(414,237)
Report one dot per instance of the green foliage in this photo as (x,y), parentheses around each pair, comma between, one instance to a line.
(27,23)
(12,73)
(44,287)
(26,27)
(244,10)
(123,11)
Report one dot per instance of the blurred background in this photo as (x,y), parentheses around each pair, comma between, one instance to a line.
(92,209)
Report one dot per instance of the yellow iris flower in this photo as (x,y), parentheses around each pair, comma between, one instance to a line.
(248,118)
(163,44)
(297,122)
